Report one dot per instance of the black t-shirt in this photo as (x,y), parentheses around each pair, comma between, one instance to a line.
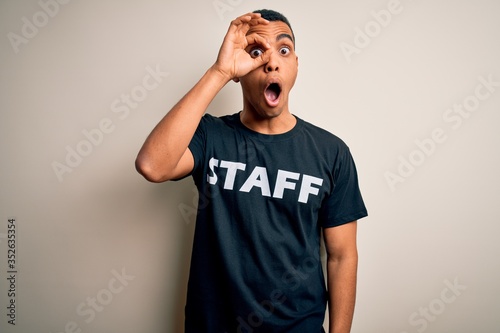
(263,200)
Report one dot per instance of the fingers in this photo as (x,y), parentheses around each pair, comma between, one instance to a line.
(251,19)
(262,59)
(246,21)
(263,44)
(233,57)
(259,40)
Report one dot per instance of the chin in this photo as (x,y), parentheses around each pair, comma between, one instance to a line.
(266,111)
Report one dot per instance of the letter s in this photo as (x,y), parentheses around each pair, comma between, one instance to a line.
(212,164)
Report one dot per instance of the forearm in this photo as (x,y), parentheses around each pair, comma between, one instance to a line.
(168,141)
(342,277)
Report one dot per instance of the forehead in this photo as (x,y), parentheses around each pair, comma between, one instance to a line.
(272,31)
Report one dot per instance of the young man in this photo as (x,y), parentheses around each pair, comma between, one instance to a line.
(269,182)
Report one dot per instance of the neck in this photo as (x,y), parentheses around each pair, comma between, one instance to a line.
(268,124)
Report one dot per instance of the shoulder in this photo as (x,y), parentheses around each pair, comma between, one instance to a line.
(211,121)
(322,136)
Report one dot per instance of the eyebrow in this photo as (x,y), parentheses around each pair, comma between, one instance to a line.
(282,36)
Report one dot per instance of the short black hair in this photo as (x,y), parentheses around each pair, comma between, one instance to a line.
(272,15)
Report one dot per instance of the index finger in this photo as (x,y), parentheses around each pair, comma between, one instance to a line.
(254,38)
(251,19)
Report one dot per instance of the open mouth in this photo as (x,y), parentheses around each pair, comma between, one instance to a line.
(272,94)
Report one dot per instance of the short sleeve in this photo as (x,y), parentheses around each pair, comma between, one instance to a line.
(345,203)
(198,144)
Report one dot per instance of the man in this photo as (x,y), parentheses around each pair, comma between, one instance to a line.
(269,182)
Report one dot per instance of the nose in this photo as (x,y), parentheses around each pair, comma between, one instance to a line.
(273,63)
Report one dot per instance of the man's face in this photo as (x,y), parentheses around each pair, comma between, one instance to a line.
(266,89)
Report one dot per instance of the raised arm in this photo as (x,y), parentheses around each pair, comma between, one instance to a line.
(165,154)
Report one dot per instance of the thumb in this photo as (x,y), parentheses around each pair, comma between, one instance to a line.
(262,59)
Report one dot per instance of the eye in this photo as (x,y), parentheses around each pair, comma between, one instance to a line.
(284,50)
(254,53)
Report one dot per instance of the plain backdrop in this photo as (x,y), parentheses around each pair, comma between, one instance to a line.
(412,86)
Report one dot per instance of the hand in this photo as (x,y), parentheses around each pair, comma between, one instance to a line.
(233,60)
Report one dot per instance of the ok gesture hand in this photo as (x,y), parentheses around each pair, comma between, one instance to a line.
(233,60)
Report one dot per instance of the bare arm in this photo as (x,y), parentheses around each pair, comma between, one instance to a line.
(165,154)
(342,263)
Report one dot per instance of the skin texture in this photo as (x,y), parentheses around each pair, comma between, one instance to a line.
(255,53)
(165,154)
(281,68)
(341,265)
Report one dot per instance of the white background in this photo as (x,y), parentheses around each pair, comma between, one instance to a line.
(429,249)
